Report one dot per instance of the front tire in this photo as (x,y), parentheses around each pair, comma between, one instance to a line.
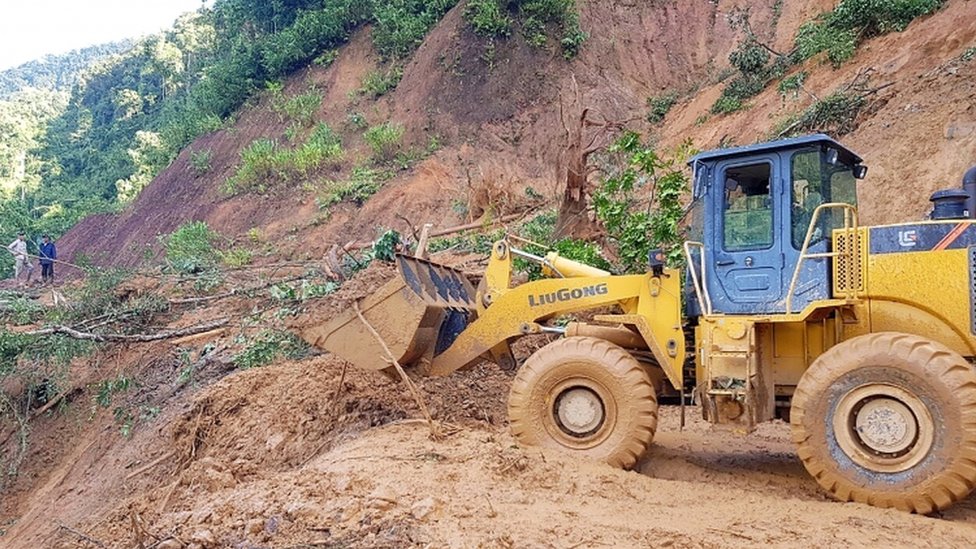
(587,397)
(889,419)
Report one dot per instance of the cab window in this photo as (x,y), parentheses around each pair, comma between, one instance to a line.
(814,182)
(807,193)
(748,212)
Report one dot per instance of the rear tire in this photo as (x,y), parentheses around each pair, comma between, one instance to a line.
(586,397)
(889,419)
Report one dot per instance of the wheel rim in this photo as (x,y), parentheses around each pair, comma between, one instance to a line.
(579,412)
(883,428)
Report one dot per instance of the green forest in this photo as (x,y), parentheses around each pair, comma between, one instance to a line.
(75,141)
(85,132)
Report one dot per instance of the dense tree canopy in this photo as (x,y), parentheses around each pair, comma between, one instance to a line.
(134,106)
(57,72)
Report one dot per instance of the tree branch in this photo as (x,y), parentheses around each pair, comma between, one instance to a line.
(140,338)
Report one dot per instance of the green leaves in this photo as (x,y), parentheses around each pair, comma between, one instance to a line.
(190,248)
(385,140)
(838,32)
(268,346)
(539,18)
(401,25)
(640,201)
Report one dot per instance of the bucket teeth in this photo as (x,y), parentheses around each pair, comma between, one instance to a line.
(439,285)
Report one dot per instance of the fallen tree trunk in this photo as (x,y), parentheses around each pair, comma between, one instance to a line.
(139,338)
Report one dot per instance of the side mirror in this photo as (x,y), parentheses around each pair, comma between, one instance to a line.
(860,171)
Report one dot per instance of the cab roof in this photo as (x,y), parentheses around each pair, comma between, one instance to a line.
(791,143)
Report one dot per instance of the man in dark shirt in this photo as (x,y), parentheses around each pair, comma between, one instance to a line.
(48,254)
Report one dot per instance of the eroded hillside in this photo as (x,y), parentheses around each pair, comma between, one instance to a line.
(289,455)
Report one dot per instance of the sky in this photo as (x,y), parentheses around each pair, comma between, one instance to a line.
(30,29)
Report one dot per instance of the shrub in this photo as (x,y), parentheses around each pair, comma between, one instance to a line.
(659,106)
(838,32)
(385,247)
(363,184)
(792,84)
(539,230)
(815,37)
(875,17)
(561,15)
(726,104)
(751,62)
(749,57)
(326,58)
(385,140)
(200,161)
(632,224)
(190,248)
(379,83)
(540,18)
(300,109)
(488,18)
(401,25)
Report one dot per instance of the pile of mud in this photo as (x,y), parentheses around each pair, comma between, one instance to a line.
(393,486)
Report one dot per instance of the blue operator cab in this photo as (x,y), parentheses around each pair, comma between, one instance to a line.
(751,210)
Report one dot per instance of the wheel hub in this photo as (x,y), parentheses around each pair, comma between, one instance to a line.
(883,428)
(886,425)
(579,412)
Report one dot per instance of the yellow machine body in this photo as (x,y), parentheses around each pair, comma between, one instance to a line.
(864,335)
(409,311)
(914,278)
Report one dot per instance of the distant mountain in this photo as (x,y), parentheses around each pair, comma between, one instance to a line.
(57,72)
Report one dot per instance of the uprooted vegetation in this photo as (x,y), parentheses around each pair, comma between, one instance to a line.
(243,435)
(51,335)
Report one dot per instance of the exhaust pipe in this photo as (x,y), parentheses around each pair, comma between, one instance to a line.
(969,185)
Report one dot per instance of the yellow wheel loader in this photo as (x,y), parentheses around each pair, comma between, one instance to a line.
(861,337)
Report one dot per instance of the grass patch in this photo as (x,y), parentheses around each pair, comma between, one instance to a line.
(659,106)
(362,184)
(200,161)
(190,248)
(264,162)
(837,33)
(385,140)
(300,109)
(378,83)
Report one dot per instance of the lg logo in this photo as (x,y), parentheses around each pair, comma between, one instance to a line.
(908,239)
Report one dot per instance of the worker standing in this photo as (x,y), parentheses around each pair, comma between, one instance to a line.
(48,253)
(21,262)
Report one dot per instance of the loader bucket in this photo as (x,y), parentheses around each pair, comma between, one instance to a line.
(417,314)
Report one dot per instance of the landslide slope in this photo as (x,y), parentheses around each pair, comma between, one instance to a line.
(500,124)
(266,458)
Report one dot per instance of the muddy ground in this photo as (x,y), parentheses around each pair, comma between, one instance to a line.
(269,458)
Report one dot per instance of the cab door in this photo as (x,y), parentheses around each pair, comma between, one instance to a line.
(745,274)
